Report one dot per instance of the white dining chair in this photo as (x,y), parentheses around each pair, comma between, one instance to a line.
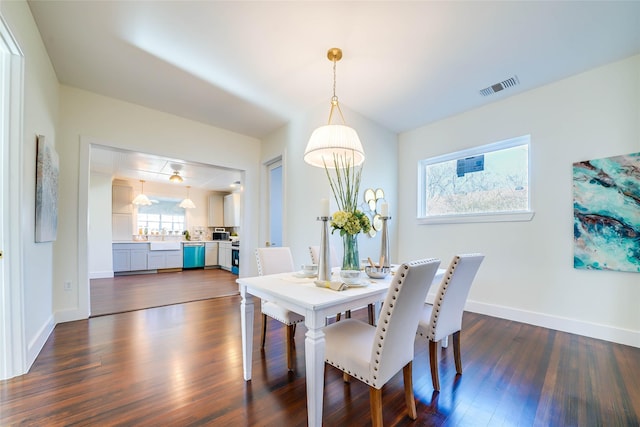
(374,354)
(314,251)
(444,316)
(273,260)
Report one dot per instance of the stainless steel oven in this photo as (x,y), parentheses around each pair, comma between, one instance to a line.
(235,259)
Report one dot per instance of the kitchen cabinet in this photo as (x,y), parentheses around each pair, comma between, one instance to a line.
(130,257)
(224,255)
(121,212)
(232,210)
(121,226)
(211,254)
(121,196)
(158,260)
(216,210)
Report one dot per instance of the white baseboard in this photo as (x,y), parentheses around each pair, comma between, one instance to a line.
(36,344)
(70,315)
(573,326)
(101,274)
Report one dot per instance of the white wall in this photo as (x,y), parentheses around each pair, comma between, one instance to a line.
(100,206)
(528,272)
(88,118)
(40,117)
(305,185)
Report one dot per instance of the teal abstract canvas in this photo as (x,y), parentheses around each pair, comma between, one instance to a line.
(606,213)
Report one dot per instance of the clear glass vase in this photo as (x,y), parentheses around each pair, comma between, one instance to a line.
(351,257)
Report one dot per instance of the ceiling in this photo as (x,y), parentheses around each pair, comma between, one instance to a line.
(148,167)
(250,66)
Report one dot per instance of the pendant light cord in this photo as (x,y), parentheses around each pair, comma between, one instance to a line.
(334,98)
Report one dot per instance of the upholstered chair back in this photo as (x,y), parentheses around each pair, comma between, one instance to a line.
(396,330)
(274,260)
(448,306)
(314,251)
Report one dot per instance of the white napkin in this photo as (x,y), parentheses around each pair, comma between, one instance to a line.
(332,284)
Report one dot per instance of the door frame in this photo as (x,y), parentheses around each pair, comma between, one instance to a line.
(272,164)
(13,359)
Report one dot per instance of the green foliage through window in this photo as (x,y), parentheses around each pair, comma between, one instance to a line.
(485,180)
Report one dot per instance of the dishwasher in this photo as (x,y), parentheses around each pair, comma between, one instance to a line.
(193,255)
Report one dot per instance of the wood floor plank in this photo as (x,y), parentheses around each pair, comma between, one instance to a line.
(182,365)
(139,291)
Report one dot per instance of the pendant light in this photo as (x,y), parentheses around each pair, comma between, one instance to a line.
(141,199)
(334,140)
(176,178)
(187,203)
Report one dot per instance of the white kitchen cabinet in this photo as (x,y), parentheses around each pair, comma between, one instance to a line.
(216,210)
(121,196)
(224,255)
(158,260)
(121,226)
(121,212)
(211,254)
(232,210)
(121,260)
(130,257)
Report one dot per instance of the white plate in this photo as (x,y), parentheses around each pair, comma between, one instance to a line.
(358,285)
(303,275)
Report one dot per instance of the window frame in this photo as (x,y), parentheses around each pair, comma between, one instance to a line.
(505,216)
(165,201)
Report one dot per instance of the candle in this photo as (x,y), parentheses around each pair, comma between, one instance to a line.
(324,205)
(384,209)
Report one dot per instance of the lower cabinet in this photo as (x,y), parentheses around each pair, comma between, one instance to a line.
(130,257)
(158,260)
(224,255)
(211,254)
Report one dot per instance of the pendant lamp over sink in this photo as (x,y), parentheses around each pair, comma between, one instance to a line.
(187,203)
(141,199)
(332,140)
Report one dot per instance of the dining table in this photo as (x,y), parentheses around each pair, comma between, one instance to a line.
(316,302)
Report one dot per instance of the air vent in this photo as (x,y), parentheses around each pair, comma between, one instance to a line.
(510,82)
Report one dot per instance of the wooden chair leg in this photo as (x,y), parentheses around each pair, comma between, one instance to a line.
(289,343)
(456,352)
(372,314)
(408,391)
(338,316)
(375,400)
(346,377)
(433,361)
(263,335)
(347,314)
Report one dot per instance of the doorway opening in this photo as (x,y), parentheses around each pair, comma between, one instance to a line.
(144,290)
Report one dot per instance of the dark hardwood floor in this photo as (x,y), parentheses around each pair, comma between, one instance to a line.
(139,291)
(181,365)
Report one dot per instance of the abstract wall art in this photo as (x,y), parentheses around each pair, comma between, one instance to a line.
(606,213)
(47,170)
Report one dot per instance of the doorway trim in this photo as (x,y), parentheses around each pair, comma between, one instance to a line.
(13,360)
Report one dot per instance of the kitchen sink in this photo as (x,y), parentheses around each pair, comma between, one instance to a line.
(165,246)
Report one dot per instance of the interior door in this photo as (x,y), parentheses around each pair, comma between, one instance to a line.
(275,203)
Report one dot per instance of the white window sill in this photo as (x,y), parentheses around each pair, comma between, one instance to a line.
(489,217)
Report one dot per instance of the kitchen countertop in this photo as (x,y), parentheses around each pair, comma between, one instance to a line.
(181,241)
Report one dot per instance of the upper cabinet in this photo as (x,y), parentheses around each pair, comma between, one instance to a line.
(121,197)
(216,210)
(232,210)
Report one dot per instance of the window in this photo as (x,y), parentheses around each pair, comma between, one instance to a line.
(482,184)
(165,214)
